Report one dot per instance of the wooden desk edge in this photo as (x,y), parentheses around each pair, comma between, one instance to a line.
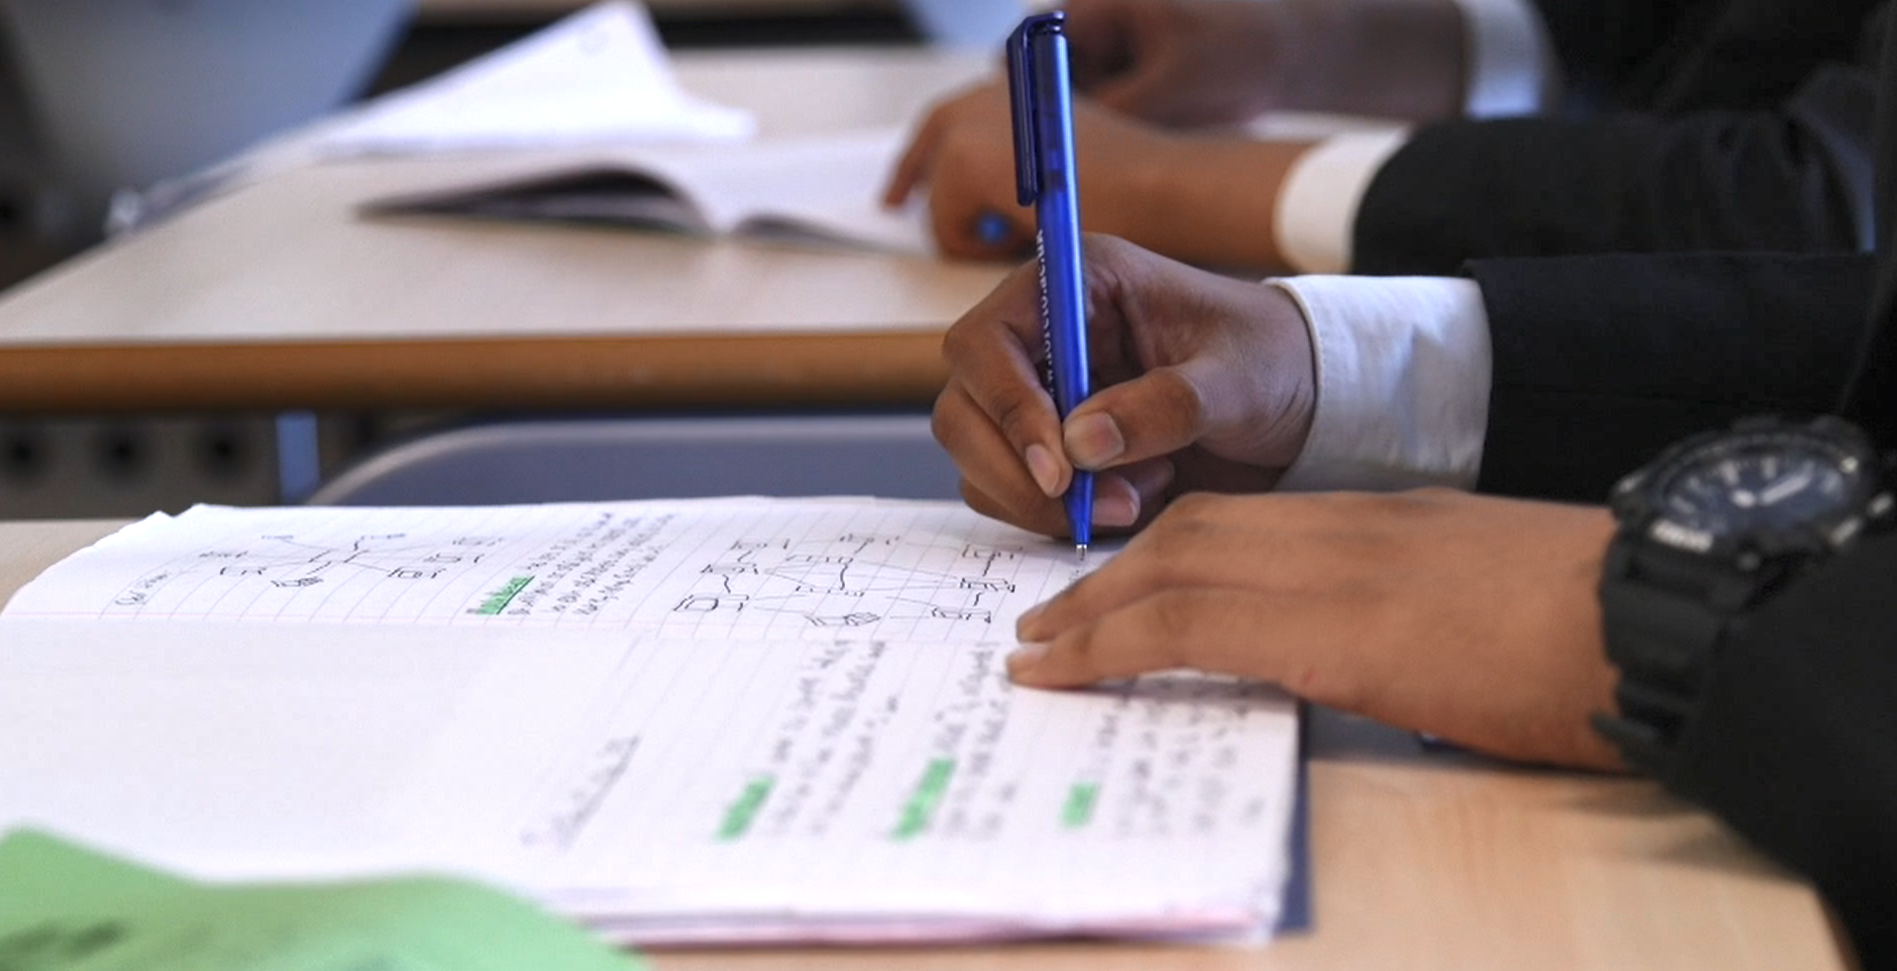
(537,373)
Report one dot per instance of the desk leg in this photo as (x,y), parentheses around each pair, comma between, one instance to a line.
(299,456)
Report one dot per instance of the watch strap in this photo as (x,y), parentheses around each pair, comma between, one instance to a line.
(1663,615)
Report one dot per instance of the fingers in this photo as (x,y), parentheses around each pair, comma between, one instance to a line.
(1276,545)
(995,419)
(995,480)
(1026,492)
(1150,416)
(961,158)
(969,223)
(1379,605)
(992,354)
(915,162)
(1277,638)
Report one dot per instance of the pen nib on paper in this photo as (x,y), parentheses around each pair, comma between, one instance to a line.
(1080,553)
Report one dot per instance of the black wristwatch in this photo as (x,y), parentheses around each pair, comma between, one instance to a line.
(1709,530)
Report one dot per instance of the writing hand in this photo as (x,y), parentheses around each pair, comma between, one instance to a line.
(1471,618)
(1201,382)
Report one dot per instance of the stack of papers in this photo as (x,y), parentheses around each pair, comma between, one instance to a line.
(710,721)
(72,909)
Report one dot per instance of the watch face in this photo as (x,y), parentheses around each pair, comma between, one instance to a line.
(1756,484)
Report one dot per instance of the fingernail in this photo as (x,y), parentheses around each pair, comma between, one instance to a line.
(1025,659)
(1045,469)
(1114,511)
(1093,440)
(1024,627)
(1152,478)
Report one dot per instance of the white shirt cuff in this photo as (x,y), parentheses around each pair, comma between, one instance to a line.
(1511,62)
(1403,375)
(1317,207)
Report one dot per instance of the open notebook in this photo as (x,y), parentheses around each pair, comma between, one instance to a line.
(819,190)
(707,721)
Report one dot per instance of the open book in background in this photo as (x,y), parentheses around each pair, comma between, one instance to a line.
(713,721)
(598,76)
(816,190)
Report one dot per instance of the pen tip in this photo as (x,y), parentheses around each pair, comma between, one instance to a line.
(1080,552)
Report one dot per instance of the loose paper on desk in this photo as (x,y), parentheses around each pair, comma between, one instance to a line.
(599,75)
(64,907)
(714,721)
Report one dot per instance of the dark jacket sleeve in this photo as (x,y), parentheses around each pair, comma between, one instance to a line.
(1600,362)
(1794,178)
(1689,125)
(1795,741)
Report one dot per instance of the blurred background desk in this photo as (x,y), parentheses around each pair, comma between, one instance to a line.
(1418,860)
(278,296)
(530,11)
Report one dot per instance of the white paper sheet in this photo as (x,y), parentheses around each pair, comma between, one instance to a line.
(820,189)
(708,790)
(702,568)
(709,720)
(598,75)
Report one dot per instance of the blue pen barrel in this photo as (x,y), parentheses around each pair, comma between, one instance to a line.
(1044,150)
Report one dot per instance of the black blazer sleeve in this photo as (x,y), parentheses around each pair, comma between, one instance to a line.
(1600,362)
(1704,125)
(1795,741)
(1795,177)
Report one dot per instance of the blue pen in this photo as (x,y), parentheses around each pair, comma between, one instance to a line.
(1044,177)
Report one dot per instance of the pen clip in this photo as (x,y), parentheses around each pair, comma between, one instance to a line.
(1021,73)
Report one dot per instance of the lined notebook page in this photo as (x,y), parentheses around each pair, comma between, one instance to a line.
(716,720)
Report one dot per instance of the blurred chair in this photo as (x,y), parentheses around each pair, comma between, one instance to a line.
(594,459)
(126,93)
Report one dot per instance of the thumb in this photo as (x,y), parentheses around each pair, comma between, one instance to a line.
(1153,415)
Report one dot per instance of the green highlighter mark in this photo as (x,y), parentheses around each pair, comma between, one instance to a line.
(499,599)
(1078,811)
(919,811)
(744,811)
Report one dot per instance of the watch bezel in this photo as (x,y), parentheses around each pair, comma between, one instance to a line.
(1638,501)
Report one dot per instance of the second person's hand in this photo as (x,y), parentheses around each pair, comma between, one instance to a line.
(1208,199)
(962,158)
(1202,382)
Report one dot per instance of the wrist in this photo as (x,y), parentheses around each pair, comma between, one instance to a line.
(1212,201)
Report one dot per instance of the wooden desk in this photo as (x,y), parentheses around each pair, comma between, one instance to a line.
(278,297)
(1419,861)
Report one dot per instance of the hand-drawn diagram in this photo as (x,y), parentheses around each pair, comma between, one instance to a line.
(855,580)
(282,561)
